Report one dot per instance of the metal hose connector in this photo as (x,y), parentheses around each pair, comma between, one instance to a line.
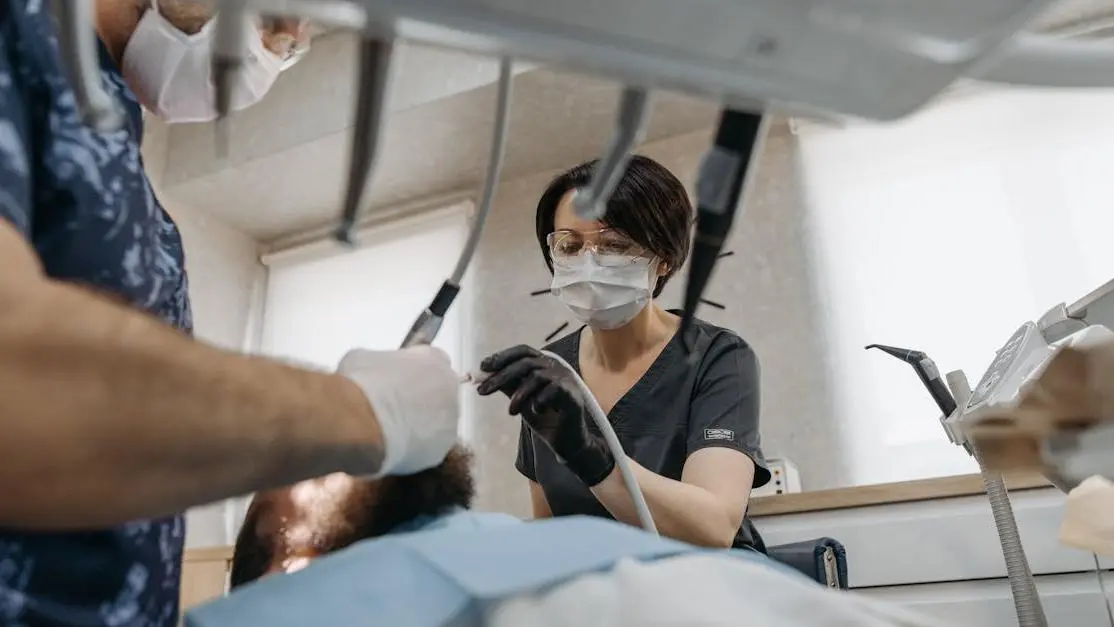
(1026,600)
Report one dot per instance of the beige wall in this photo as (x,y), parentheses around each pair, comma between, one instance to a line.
(223,266)
(766,287)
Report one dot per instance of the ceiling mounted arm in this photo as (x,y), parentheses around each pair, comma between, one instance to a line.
(1051,61)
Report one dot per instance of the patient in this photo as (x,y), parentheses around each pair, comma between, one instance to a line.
(408,552)
(286,527)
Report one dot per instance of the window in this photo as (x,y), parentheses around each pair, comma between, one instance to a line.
(944,233)
(317,307)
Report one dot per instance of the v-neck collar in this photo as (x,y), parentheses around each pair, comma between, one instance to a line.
(641,389)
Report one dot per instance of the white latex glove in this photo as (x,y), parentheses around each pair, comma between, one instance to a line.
(416,396)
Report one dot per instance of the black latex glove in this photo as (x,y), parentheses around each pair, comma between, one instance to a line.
(545,393)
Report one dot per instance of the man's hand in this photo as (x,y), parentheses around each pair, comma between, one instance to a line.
(545,393)
(416,398)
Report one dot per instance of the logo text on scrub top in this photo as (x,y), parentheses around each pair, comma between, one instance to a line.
(719,434)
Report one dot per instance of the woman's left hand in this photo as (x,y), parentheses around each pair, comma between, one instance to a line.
(547,396)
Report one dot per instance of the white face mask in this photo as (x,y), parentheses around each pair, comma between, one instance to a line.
(171,72)
(604,295)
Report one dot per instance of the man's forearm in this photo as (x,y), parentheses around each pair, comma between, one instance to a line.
(108,415)
(681,511)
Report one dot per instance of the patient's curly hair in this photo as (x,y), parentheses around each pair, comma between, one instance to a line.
(370,510)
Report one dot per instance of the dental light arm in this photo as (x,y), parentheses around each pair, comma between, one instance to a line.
(229,49)
(77,43)
(591,202)
(880,61)
(425,328)
(1044,61)
(720,185)
(374,72)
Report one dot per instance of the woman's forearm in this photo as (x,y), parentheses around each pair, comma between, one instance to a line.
(681,511)
(108,415)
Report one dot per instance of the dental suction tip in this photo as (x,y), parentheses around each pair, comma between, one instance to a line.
(904,354)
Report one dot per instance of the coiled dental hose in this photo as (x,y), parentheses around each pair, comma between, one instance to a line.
(1026,600)
(612,440)
(645,520)
(1023,589)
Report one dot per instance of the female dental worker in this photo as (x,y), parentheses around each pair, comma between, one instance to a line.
(690,431)
(113,421)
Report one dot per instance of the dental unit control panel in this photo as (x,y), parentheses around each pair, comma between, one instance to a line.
(1068,458)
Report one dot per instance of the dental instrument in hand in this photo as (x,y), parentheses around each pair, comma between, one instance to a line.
(425,328)
(599,417)
(229,48)
(77,43)
(376,51)
(591,202)
(720,186)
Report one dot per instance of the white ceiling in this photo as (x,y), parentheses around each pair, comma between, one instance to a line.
(288,158)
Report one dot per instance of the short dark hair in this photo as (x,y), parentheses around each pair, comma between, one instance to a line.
(650,205)
(378,506)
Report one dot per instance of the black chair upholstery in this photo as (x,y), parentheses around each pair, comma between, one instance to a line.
(823,560)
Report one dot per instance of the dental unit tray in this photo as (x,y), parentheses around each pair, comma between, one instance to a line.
(875,59)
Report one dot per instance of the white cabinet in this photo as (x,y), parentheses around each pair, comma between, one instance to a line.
(942,558)
(935,541)
(1068,601)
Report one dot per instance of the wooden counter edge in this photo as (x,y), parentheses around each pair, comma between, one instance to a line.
(803,502)
(884,494)
(208,554)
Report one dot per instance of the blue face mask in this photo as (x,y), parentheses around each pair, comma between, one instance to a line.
(604,291)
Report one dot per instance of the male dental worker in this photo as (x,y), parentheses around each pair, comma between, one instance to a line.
(113,420)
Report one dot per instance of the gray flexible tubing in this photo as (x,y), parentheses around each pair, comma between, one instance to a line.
(494,168)
(600,418)
(1026,600)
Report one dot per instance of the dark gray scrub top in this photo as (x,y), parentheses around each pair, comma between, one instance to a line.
(674,410)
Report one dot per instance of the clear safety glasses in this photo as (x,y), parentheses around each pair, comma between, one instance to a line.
(609,246)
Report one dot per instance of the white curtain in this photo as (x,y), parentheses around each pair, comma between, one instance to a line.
(320,306)
(324,300)
(944,233)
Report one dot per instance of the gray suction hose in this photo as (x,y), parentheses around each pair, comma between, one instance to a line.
(600,418)
(1026,600)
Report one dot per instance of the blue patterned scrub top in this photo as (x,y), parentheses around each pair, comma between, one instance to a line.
(82,200)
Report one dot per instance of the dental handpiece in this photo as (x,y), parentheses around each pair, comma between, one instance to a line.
(371,104)
(228,59)
(719,191)
(77,43)
(591,202)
